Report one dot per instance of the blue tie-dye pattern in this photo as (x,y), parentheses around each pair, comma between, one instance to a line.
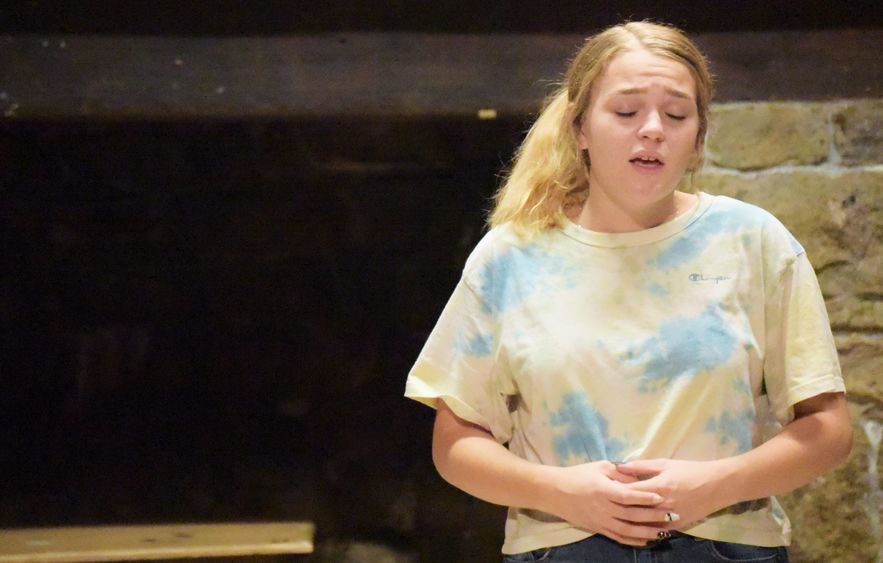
(733,427)
(683,347)
(514,275)
(727,216)
(582,432)
(479,345)
(741,385)
(777,511)
(657,290)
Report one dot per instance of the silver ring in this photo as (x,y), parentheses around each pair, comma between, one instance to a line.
(672,517)
(663,535)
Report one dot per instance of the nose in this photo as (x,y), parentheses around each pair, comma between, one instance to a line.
(651,128)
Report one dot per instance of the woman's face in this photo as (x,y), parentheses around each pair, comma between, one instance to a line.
(640,128)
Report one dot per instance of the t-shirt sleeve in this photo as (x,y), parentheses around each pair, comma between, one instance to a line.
(801,358)
(461,364)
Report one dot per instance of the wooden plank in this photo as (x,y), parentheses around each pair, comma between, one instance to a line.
(147,542)
(382,74)
(794,65)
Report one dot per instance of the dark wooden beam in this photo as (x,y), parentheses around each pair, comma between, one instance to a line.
(382,74)
(213,18)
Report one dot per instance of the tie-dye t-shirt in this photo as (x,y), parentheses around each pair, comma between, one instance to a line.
(690,340)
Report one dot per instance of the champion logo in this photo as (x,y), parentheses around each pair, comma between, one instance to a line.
(694,277)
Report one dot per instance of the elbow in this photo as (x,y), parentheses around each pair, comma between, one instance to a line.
(439,458)
(844,443)
(828,426)
(840,440)
(444,471)
(442,445)
(446,463)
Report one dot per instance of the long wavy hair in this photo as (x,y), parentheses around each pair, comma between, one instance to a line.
(549,173)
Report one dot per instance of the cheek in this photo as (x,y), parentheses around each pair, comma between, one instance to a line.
(693,138)
(690,145)
(607,161)
(602,136)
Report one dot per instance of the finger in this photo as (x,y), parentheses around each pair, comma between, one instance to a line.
(622,477)
(625,495)
(637,514)
(653,485)
(609,469)
(636,531)
(644,464)
(668,505)
(642,467)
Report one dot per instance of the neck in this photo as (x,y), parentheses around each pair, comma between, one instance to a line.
(606,215)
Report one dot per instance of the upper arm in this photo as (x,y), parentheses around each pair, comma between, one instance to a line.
(447,430)
(831,403)
(830,417)
(449,427)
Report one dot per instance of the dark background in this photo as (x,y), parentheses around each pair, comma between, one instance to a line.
(213,17)
(212,320)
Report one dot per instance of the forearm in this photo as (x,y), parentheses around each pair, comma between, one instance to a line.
(592,496)
(469,458)
(815,442)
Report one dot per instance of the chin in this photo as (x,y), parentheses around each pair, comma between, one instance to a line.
(651,194)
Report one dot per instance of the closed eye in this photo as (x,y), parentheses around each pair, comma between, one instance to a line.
(626,113)
(677,117)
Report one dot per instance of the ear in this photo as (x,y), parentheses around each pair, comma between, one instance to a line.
(576,123)
(582,136)
(695,159)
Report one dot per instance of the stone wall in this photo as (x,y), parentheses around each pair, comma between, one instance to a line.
(819,168)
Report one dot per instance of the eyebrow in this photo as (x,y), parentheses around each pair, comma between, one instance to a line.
(670,91)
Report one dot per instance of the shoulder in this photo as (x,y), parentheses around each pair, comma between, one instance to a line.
(746,219)
(499,242)
(504,260)
(738,211)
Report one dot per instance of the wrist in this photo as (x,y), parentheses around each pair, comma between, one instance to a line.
(546,486)
(727,481)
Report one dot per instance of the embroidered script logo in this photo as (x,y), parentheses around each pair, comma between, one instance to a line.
(700,278)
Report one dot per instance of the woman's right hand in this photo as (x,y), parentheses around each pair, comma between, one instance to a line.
(592,496)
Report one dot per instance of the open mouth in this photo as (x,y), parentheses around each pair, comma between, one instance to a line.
(647,162)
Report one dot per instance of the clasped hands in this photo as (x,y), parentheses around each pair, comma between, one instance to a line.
(633,502)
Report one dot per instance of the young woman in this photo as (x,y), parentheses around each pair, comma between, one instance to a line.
(615,357)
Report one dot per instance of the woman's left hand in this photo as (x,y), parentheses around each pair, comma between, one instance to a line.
(691,489)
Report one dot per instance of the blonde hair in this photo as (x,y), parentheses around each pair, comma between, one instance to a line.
(550,173)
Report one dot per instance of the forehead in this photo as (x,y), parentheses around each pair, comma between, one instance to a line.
(639,69)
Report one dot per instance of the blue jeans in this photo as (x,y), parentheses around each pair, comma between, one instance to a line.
(679,549)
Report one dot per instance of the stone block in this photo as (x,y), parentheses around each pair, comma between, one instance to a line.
(838,217)
(763,135)
(861,358)
(855,312)
(858,132)
(836,517)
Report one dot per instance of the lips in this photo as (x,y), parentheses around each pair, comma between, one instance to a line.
(647,160)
